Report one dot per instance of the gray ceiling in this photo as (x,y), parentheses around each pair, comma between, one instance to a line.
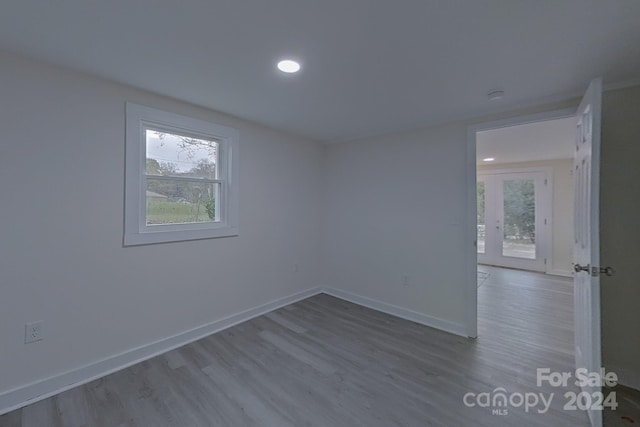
(369,67)
(551,139)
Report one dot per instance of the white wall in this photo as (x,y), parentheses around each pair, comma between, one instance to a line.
(397,205)
(620,233)
(562,212)
(61,211)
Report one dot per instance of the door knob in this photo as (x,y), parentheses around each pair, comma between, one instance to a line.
(578,268)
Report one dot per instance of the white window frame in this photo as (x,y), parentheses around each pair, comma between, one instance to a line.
(136,231)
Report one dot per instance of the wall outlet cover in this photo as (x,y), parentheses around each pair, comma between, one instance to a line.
(33,332)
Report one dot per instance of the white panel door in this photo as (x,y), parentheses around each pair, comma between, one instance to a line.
(587,244)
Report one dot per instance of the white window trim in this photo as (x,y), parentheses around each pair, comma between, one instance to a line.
(136,231)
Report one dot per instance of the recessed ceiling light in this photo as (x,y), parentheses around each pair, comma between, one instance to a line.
(495,95)
(488,159)
(288,66)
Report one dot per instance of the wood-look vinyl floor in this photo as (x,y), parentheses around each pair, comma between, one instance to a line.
(326,362)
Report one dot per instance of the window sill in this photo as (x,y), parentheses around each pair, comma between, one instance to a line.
(168,236)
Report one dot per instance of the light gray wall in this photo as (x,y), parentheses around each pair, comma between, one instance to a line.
(395,206)
(61,210)
(620,233)
(561,261)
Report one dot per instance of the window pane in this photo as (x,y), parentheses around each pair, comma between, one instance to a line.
(519,238)
(481,216)
(178,202)
(176,155)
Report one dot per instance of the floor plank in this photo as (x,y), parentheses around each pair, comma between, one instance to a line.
(326,362)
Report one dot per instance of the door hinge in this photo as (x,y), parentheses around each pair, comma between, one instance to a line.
(545,261)
(545,221)
(545,181)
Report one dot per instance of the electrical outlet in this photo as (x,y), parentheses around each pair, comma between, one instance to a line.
(33,332)
(405,280)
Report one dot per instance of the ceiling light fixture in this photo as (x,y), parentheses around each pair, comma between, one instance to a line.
(488,159)
(288,66)
(495,95)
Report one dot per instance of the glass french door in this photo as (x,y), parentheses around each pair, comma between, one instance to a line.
(513,219)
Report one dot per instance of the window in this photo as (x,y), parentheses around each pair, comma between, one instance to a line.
(181,178)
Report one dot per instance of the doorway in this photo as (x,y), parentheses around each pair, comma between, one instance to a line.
(501,158)
(586,284)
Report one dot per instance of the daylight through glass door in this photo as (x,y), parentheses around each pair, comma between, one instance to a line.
(513,211)
(519,218)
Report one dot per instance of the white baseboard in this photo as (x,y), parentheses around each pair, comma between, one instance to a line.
(625,376)
(559,272)
(30,393)
(38,390)
(42,389)
(394,310)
